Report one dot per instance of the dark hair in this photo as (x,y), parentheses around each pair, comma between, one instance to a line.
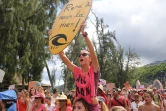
(48,97)
(54,90)
(85,104)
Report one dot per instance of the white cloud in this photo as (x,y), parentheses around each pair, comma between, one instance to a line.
(139,24)
(57,66)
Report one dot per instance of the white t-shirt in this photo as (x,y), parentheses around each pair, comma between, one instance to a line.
(53,100)
(164,102)
(135,106)
(50,108)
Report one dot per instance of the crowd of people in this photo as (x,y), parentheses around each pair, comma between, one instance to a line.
(110,100)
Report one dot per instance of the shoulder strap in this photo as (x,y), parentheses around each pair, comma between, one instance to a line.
(154,108)
(119,102)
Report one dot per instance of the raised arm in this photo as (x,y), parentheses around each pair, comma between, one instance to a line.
(93,56)
(64,58)
(69,64)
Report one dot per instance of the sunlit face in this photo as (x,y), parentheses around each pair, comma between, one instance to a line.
(136,97)
(147,97)
(79,107)
(109,96)
(155,90)
(72,93)
(40,89)
(48,101)
(84,58)
(33,91)
(115,93)
(19,95)
(23,94)
(62,103)
(38,99)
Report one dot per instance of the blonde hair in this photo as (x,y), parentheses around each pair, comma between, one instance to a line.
(118,108)
(103,106)
(42,90)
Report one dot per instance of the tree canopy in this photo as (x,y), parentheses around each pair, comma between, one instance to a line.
(23,36)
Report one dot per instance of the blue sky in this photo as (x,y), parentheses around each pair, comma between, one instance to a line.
(139,24)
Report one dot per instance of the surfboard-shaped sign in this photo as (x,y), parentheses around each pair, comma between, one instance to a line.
(67,24)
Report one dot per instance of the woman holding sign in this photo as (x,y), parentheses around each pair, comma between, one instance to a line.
(87,76)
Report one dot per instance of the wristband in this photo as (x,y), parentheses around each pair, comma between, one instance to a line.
(85,34)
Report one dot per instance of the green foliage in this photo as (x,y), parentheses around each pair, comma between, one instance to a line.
(53,76)
(147,74)
(23,37)
(115,66)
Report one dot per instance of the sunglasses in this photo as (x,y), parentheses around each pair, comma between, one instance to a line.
(37,97)
(137,106)
(62,100)
(83,54)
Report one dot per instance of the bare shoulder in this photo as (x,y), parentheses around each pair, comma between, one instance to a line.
(157,107)
(111,99)
(140,107)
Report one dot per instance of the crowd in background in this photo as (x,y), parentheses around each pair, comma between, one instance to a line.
(110,100)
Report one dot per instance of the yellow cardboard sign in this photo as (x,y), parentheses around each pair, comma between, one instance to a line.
(67,24)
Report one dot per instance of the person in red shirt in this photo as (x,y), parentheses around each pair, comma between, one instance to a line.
(118,100)
(101,92)
(23,101)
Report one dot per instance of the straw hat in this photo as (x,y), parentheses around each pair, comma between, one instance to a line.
(101,88)
(62,97)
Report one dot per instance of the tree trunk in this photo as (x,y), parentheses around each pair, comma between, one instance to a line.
(49,75)
(23,86)
(66,77)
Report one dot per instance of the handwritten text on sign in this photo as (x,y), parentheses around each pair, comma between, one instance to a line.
(67,24)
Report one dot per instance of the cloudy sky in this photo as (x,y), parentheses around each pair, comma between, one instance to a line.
(139,24)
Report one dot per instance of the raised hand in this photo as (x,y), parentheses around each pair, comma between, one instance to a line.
(50,32)
(82,27)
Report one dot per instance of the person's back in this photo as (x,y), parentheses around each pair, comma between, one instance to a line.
(118,101)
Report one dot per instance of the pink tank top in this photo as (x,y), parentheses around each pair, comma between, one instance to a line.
(85,85)
(40,109)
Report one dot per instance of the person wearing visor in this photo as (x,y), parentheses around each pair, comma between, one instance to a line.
(39,102)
